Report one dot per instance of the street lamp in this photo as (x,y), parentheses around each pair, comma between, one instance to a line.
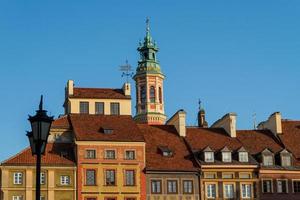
(40,126)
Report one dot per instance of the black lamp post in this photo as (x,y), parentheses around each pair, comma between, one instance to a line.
(40,126)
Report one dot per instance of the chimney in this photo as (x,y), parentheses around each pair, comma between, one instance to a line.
(273,123)
(178,120)
(201,119)
(228,122)
(126,89)
(70,88)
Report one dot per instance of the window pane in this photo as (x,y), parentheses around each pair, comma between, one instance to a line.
(110,177)
(143,94)
(130,155)
(228,193)
(226,156)
(99,108)
(188,187)
(296,186)
(84,107)
(211,191)
(114,108)
(130,177)
(152,94)
(286,160)
(209,156)
(243,156)
(268,160)
(90,177)
(110,154)
(172,186)
(267,186)
(246,191)
(90,154)
(156,186)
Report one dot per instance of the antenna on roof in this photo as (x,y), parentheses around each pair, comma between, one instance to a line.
(126,71)
(254,120)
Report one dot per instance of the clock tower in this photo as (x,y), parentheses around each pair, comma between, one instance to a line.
(149,83)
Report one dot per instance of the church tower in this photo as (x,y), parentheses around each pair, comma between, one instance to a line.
(149,83)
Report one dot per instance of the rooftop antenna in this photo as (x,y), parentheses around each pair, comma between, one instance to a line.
(126,71)
(254,120)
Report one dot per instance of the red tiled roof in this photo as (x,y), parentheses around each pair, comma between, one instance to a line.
(166,136)
(291,136)
(52,156)
(61,122)
(256,141)
(215,138)
(99,93)
(90,128)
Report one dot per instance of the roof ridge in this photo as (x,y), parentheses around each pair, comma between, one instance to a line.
(97,88)
(14,156)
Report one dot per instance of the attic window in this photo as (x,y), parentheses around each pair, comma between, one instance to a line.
(106,130)
(165,151)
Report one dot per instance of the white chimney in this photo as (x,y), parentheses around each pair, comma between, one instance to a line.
(127,89)
(273,123)
(70,88)
(178,120)
(228,122)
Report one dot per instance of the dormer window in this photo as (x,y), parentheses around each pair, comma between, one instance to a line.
(106,130)
(165,151)
(268,160)
(226,156)
(209,156)
(286,159)
(243,157)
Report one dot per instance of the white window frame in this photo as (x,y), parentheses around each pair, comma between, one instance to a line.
(106,154)
(208,191)
(209,156)
(65,180)
(264,160)
(18,197)
(262,186)
(293,180)
(243,156)
(18,178)
(87,154)
(226,159)
(286,186)
(283,163)
(128,158)
(227,195)
(248,192)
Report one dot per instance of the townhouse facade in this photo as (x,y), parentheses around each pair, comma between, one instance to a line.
(98,150)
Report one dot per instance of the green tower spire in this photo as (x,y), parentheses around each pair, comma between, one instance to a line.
(148,62)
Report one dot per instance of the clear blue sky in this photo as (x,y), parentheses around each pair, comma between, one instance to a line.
(237,56)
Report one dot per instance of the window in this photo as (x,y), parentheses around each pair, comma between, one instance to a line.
(226,156)
(187,187)
(246,191)
(210,175)
(143,94)
(228,191)
(152,94)
(110,154)
(17,198)
(245,175)
(65,180)
(160,94)
(90,177)
(99,108)
(155,186)
(129,177)
(267,186)
(90,154)
(268,160)
(211,190)
(18,178)
(110,177)
(84,107)
(172,186)
(282,186)
(243,156)
(209,156)
(286,160)
(129,155)
(114,108)
(296,186)
(42,178)
(166,152)
(227,175)
(42,198)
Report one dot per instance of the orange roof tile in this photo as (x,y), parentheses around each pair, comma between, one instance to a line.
(291,136)
(52,156)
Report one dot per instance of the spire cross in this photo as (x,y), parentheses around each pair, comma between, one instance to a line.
(126,71)
(200,102)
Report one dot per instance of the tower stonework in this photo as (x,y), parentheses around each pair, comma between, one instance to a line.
(149,84)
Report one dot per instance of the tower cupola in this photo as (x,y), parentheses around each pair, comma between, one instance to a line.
(201,117)
(149,83)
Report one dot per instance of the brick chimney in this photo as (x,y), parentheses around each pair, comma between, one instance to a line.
(273,123)
(228,122)
(179,121)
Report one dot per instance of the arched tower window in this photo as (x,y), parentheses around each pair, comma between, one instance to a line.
(152,94)
(160,95)
(143,94)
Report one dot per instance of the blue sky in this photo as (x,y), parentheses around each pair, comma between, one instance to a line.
(237,56)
